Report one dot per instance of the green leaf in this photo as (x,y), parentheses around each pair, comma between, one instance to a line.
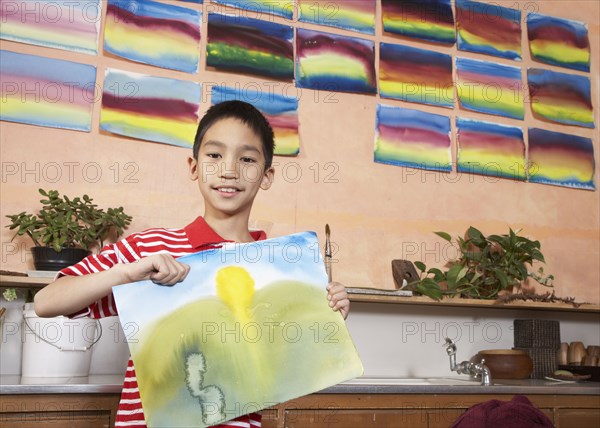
(512,238)
(502,278)
(455,273)
(473,255)
(438,275)
(537,255)
(421,266)
(502,240)
(475,234)
(522,271)
(444,235)
(430,288)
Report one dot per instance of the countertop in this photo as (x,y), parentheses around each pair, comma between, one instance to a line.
(96,384)
(461,385)
(106,384)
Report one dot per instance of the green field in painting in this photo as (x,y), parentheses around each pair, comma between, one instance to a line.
(287,329)
(235,58)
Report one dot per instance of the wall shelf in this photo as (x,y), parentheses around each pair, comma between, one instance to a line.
(473,303)
(23,281)
(27,282)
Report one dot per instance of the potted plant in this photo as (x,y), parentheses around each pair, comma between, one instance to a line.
(485,266)
(65,230)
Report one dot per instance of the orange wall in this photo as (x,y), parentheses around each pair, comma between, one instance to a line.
(376,212)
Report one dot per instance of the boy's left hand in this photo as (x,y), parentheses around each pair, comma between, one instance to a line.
(338,298)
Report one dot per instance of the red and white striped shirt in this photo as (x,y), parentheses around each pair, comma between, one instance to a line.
(197,236)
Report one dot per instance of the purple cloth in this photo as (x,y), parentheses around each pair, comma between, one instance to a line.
(517,413)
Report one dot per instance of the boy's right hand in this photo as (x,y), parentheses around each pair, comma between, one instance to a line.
(161,269)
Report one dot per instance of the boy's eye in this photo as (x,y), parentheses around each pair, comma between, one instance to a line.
(248,160)
(213,155)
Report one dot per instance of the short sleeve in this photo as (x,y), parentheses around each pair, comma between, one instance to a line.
(124,251)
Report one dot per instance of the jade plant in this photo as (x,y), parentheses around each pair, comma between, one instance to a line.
(63,222)
(485,266)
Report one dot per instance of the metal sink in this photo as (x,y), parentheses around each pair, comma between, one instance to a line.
(378,381)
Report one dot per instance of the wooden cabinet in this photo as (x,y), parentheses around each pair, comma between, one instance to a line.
(312,411)
(58,410)
(418,411)
(576,418)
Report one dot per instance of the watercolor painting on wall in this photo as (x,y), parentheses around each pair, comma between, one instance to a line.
(488,87)
(349,15)
(490,149)
(331,62)
(159,34)
(560,97)
(415,75)
(46,92)
(283,8)
(248,328)
(561,159)
(60,24)
(430,20)
(559,41)
(247,45)
(413,139)
(150,108)
(488,29)
(280,111)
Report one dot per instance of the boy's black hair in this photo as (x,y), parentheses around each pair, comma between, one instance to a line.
(244,112)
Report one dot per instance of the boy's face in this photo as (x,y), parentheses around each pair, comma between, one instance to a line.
(230,168)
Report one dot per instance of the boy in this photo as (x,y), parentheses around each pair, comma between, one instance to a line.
(231,161)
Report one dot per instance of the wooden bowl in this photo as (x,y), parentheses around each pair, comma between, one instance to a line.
(506,363)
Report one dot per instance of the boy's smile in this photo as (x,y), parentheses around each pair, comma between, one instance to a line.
(230,168)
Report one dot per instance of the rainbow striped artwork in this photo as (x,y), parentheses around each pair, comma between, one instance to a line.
(561,159)
(283,8)
(336,63)
(560,97)
(349,15)
(280,111)
(490,149)
(412,138)
(159,34)
(415,75)
(558,41)
(489,29)
(150,108)
(60,24)
(491,88)
(247,45)
(430,20)
(46,92)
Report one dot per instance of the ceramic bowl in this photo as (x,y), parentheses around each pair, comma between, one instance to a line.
(506,363)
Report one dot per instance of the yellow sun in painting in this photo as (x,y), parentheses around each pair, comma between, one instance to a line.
(235,287)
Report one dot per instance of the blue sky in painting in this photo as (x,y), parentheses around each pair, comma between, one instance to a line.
(294,257)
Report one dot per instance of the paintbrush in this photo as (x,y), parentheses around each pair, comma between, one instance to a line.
(328,253)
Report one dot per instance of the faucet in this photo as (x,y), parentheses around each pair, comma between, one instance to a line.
(467,367)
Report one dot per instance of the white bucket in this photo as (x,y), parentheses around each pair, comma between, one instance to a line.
(57,347)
